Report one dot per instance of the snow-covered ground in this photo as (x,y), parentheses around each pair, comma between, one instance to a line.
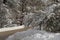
(34,35)
(11,28)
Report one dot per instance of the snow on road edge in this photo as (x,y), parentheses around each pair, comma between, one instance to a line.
(11,28)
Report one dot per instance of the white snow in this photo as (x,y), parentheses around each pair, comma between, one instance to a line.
(11,28)
(34,35)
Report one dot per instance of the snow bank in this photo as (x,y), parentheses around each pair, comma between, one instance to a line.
(11,28)
(34,35)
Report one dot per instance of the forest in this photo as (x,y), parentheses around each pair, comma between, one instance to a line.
(40,15)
